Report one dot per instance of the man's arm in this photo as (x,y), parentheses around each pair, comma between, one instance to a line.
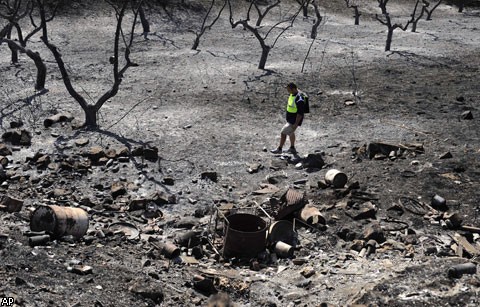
(297,120)
(299,117)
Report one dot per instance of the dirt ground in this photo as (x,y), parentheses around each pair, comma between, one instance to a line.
(212,111)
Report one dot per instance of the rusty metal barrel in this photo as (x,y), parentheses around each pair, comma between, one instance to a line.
(336,178)
(60,221)
(245,235)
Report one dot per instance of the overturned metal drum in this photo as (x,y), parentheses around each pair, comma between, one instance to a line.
(60,221)
(245,235)
(336,178)
(282,231)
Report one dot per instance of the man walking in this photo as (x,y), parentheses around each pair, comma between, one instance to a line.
(294,117)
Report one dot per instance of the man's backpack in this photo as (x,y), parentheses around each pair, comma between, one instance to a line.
(306,104)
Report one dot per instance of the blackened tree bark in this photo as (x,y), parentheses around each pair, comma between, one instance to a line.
(262,39)
(428,10)
(144,21)
(204,27)
(315,26)
(304,5)
(13,12)
(387,21)
(415,17)
(91,110)
(261,15)
(314,32)
(354,5)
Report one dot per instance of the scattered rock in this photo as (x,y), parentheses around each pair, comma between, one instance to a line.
(314,161)
(148,152)
(467,115)
(204,285)
(347,234)
(16,124)
(162,198)
(266,189)
(278,164)
(151,153)
(81,269)
(4,150)
(213,176)
(117,189)
(307,272)
(447,155)
(95,153)
(82,142)
(168,181)
(10,204)
(254,167)
(361,211)
(148,288)
(57,118)
(18,137)
(220,300)
(276,178)
(374,232)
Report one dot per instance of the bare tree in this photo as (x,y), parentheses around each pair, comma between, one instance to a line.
(204,27)
(415,17)
(261,15)
(386,20)
(13,11)
(304,5)
(314,32)
(317,22)
(430,11)
(144,21)
(91,110)
(257,31)
(352,4)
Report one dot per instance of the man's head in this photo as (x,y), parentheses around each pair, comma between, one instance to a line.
(292,88)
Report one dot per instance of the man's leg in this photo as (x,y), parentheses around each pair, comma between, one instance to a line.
(283,138)
(278,150)
(292,139)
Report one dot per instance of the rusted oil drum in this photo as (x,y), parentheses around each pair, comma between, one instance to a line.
(282,231)
(336,178)
(60,221)
(245,236)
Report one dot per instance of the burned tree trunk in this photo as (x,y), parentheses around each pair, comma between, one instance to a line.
(11,46)
(304,4)
(263,59)
(144,21)
(204,27)
(430,11)
(37,59)
(90,116)
(357,15)
(352,4)
(90,110)
(261,15)
(315,26)
(255,30)
(387,21)
(41,69)
(388,43)
(415,19)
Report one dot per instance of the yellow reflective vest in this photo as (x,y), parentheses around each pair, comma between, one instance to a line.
(291,105)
